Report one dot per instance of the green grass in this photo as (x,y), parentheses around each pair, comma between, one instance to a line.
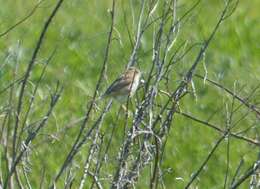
(79,32)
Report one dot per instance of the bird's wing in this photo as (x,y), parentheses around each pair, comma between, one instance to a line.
(118,84)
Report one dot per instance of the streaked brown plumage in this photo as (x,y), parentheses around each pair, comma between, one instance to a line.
(124,86)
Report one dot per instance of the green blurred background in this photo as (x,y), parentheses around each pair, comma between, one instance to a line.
(79,33)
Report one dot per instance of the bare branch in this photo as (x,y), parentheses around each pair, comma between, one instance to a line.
(28,71)
(196,174)
(22,20)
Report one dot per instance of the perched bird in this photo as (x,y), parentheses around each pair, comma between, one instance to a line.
(124,86)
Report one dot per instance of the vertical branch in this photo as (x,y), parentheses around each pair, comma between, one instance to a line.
(155,173)
(229,121)
(31,136)
(28,72)
(91,152)
(102,159)
(73,150)
(138,37)
(27,112)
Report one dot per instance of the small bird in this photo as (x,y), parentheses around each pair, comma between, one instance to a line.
(124,86)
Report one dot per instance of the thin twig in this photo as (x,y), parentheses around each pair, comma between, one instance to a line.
(22,20)
(249,140)
(243,101)
(28,71)
(250,172)
(31,136)
(196,174)
(74,148)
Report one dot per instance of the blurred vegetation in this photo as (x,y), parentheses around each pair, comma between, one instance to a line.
(79,34)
